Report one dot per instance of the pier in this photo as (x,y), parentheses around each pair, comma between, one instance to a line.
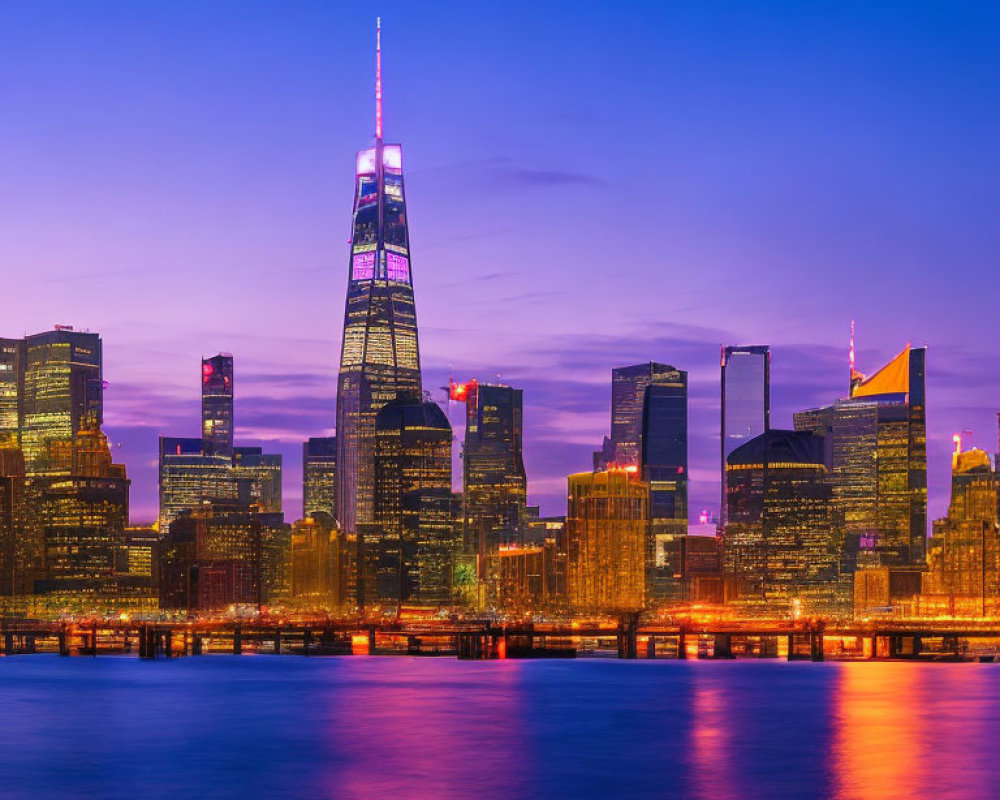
(486,640)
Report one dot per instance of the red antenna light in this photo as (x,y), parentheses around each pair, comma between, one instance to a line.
(378,77)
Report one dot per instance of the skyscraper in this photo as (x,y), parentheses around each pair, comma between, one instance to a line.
(379,354)
(319,476)
(628,393)
(217,405)
(879,458)
(209,469)
(606,532)
(746,401)
(778,541)
(494,483)
(663,450)
(62,397)
(412,489)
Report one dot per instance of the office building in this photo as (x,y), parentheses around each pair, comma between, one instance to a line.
(217,405)
(778,541)
(963,560)
(379,354)
(607,524)
(413,499)
(746,401)
(878,452)
(194,472)
(319,476)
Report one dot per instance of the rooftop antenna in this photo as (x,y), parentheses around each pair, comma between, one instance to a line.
(378,78)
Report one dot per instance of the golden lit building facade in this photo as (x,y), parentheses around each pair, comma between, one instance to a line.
(963,560)
(607,530)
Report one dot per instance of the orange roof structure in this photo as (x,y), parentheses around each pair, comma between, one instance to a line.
(893,378)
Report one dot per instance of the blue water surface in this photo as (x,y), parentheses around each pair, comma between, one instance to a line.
(394,727)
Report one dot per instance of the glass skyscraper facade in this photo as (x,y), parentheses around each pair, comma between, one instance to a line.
(319,476)
(61,396)
(193,472)
(746,401)
(628,393)
(217,405)
(879,458)
(778,541)
(379,354)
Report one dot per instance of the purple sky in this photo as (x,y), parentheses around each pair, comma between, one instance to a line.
(589,186)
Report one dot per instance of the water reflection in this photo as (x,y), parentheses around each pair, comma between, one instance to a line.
(915,731)
(426,732)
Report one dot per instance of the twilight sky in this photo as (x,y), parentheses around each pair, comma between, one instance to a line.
(589,185)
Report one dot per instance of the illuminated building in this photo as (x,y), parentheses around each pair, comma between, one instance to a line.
(82,518)
(217,405)
(140,553)
(315,567)
(494,483)
(878,452)
(12,354)
(258,478)
(778,540)
(20,547)
(963,560)
(607,526)
(379,355)
(663,465)
(225,554)
(190,477)
(746,401)
(319,476)
(413,505)
(63,503)
(62,396)
(193,472)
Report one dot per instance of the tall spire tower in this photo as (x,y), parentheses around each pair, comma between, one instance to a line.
(379,356)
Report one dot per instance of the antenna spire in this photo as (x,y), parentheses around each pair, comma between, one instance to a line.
(378,78)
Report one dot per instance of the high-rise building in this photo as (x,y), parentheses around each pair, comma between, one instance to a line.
(194,472)
(412,489)
(607,525)
(319,476)
(258,478)
(379,355)
(628,393)
(879,457)
(963,559)
(778,542)
(11,387)
(217,405)
(20,546)
(746,401)
(494,483)
(225,554)
(189,477)
(663,451)
(62,396)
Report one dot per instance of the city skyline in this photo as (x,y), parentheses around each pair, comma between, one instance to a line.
(478,313)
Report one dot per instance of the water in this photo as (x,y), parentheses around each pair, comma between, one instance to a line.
(357,727)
